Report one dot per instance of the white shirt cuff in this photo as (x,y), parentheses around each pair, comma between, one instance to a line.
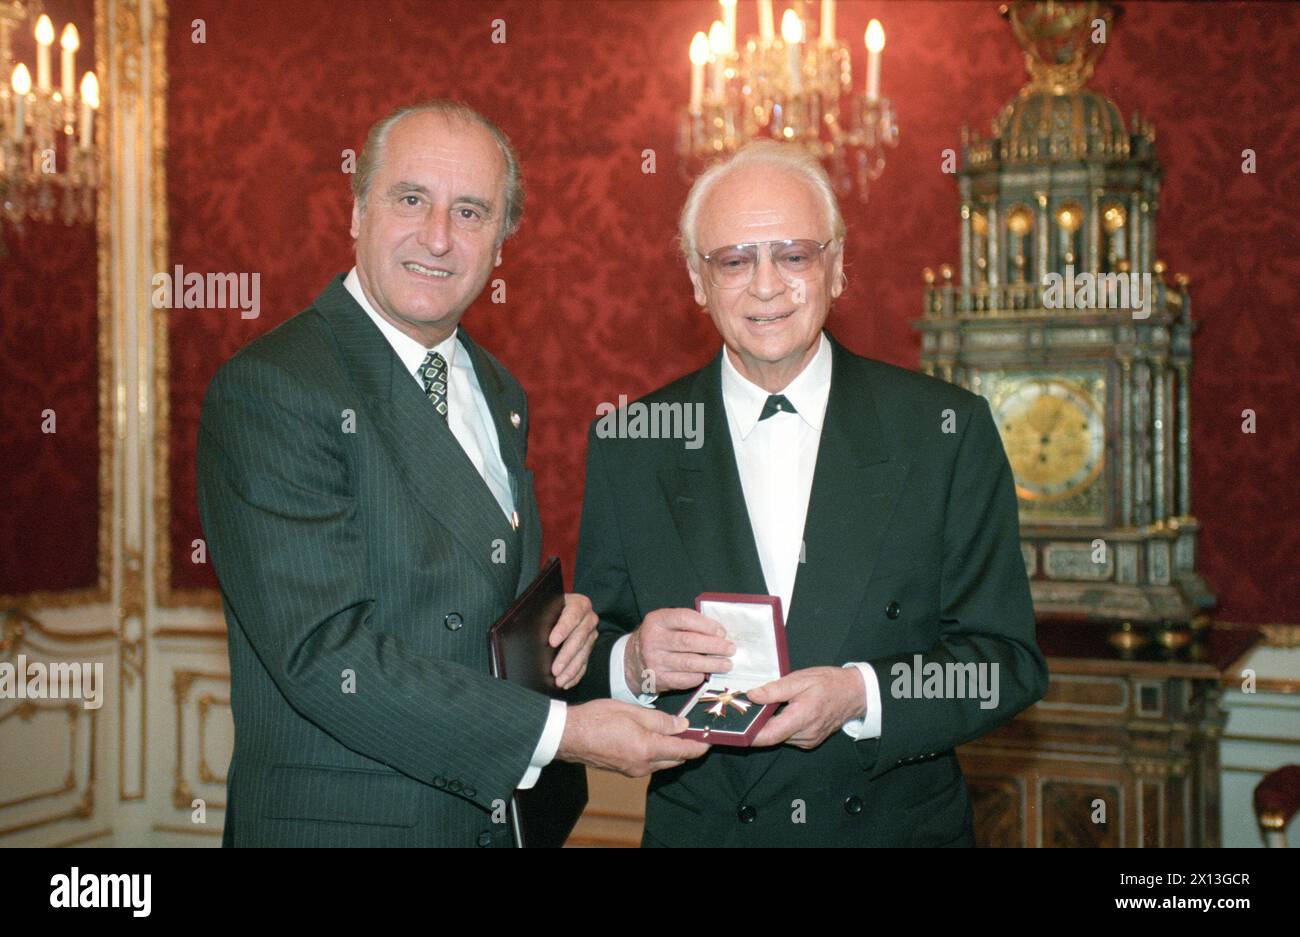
(867,727)
(547,745)
(618,684)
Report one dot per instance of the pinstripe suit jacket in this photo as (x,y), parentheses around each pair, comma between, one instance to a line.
(361,559)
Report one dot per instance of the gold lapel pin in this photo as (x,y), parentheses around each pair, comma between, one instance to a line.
(514,419)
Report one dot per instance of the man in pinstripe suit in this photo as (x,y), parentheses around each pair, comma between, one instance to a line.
(363,490)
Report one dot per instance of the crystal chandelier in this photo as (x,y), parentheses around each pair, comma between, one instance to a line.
(47,158)
(791,88)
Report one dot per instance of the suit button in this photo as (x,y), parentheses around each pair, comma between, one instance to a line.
(747,814)
(853,805)
(454,786)
(439,783)
(892,610)
(453,621)
(485,839)
(469,792)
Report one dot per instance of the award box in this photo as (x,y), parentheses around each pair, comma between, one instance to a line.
(719,711)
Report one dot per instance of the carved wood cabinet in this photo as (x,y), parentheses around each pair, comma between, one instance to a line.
(1123,750)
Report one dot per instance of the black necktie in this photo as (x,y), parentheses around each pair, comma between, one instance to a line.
(776,403)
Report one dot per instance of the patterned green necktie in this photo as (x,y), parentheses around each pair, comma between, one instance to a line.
(433,374)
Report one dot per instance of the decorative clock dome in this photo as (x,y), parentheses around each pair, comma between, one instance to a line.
(1054,116)
(1077,125)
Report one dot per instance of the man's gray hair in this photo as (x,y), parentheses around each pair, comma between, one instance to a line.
(372,154)
(790,157)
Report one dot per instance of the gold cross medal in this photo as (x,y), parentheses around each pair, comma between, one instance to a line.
(723,710)
(724,698)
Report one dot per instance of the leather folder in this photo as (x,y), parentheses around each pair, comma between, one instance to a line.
(544,815)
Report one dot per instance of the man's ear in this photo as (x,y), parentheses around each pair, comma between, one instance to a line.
(497,262)
(837,272)
(701,298)
(356,220)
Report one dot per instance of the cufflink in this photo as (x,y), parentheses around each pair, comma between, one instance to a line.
(515,419)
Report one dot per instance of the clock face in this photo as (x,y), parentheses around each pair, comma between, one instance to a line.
(1054,435)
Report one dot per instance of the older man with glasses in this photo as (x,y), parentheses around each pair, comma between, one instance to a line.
(876,503)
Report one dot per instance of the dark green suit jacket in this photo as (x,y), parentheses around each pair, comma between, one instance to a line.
(358,549)
(911,547)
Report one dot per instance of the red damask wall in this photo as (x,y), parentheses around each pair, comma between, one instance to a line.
(49,481)
(598,304)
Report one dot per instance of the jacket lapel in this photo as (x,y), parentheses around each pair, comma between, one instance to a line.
(856,484)
(509,436)
(510,440)
(707,502)
(435,467)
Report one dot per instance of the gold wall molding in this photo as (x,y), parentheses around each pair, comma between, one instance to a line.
(137,91)
(1277,635)
(26,710)
(206,702)
(1277,685)
(164,594)
(17,630)
(16,625)
(127,46)
(75,715)
(132,674)
(182,683)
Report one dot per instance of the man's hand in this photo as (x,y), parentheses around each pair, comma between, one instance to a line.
(678,646)
(821,700)
(574,634)
(631,740)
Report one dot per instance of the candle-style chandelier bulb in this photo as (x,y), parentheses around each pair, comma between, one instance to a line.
(22,80)
(791,27)
(875,36)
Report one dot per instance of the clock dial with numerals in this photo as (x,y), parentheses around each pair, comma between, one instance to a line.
(1054,435)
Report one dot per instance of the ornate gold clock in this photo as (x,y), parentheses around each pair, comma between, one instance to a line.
(1054,437)
(1062,319)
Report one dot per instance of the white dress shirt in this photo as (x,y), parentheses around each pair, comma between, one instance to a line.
(470,421)
(776,459)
